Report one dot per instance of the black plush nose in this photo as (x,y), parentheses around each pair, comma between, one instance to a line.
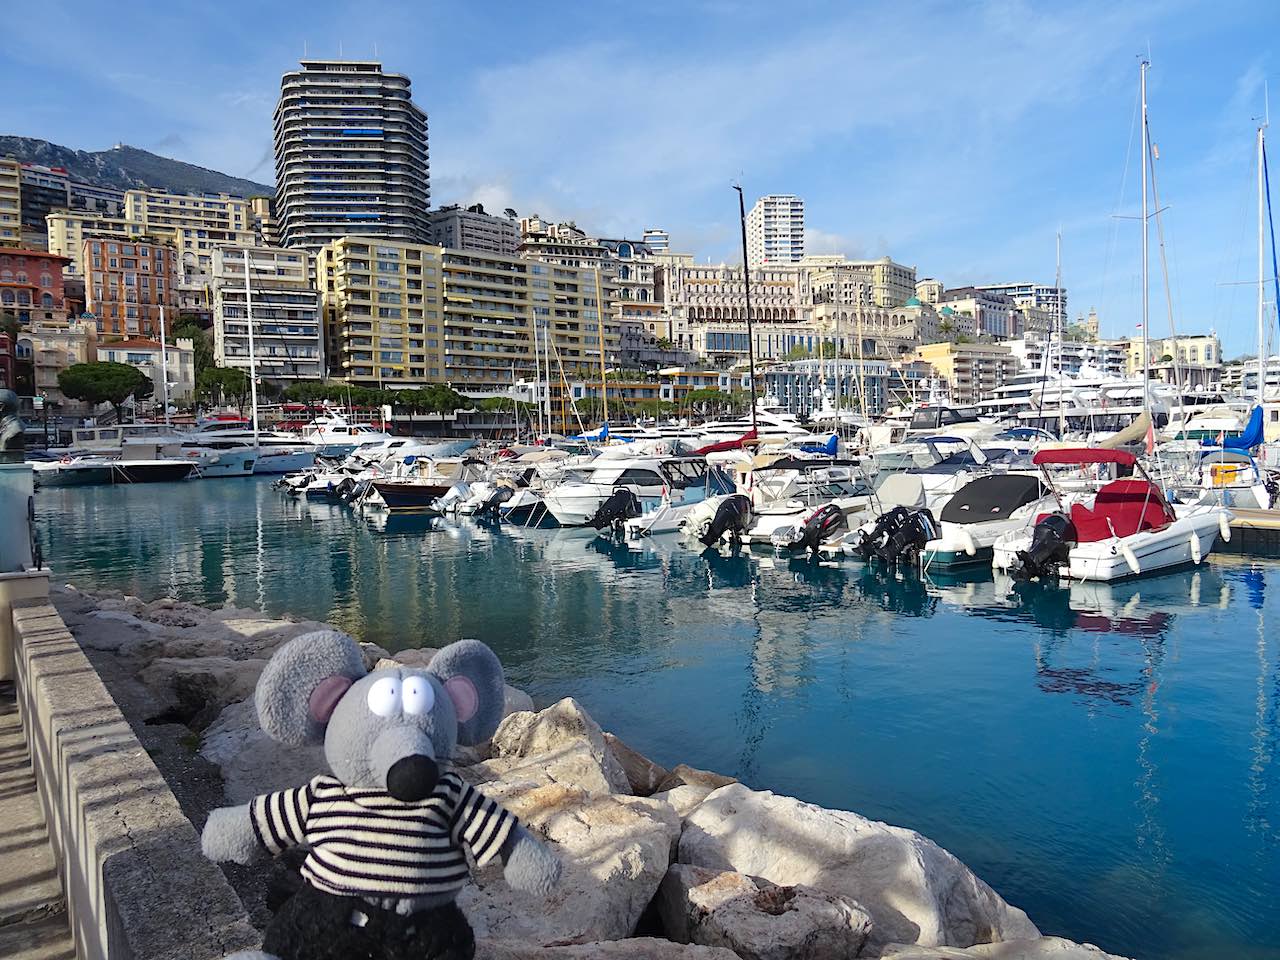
(412,778)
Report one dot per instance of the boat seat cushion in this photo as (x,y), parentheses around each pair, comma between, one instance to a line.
(1125,506)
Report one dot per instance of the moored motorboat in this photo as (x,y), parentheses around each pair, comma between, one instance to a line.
(1130,529)
(980,513)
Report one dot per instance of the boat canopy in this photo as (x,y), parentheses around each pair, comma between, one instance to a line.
(992,498)
(1250,438)
(1082,455)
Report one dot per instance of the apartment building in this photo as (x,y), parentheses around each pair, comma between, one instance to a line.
(1052,300)
(351,155)
(266,231)
(383,312)
(971,370)
(200,224)
(67,232)
(882,282)
(153,359)
(10,202)
(775,230)
(44,189)
(7,381)
(31,287)
(54,346)
(473,229)
(91,198)
(403,314)
(287,339)
(992,314)
(128,283)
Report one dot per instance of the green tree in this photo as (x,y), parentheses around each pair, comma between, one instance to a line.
(223,385)
(111,383)
(797,352)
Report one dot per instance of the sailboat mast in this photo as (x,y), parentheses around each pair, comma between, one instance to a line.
(1262,276)
(604,390)
(253,358)
(164,366)
(1059,318)
(1146,147)
(746,288)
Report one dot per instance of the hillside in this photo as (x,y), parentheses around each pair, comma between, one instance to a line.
(126,168)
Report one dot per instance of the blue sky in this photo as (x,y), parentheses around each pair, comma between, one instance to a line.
(958,137)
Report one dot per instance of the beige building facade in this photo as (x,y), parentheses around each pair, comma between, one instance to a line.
(972,370)
(287,339)
(10,202)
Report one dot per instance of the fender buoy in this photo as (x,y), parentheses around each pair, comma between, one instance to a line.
(1224,527)
(1130,558)
(65,460)
(1195,548)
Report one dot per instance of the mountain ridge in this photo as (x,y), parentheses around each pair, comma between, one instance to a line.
(129,168)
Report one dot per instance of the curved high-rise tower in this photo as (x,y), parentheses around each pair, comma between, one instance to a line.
(351,155)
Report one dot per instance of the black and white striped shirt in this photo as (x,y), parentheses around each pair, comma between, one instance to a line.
(364,842)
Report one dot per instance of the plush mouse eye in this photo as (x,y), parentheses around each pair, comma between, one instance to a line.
(384,696)
(418,697)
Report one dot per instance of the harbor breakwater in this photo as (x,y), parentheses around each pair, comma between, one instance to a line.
(658,861)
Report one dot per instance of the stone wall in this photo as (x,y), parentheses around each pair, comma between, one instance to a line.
(136,884)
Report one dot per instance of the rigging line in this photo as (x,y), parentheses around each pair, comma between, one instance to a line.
(1113,239)
(1275,267)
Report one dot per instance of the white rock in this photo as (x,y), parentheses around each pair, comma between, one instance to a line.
(915,891)
(684,775)
(614,852)
(765,922)
(684,798)
(251,762)
(558,737)
(640,948)
(1044,948)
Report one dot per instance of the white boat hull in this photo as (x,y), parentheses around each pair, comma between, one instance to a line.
(288,461)
(1189,539)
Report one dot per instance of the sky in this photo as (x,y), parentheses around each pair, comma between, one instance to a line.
(956,137)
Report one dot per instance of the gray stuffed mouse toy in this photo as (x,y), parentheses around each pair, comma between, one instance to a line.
(393,831)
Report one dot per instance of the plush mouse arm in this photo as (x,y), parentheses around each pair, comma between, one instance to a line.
(229,835)
(529,865)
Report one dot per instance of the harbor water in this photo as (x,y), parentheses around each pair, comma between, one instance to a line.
(1104,756)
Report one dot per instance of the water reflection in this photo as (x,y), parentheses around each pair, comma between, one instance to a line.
(1104,754)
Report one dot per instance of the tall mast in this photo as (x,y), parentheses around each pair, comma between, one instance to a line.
(537,377)
(604,390)
(1262,276)
(1059,318)
(253,359)
(746,281)
(1146,147)
(164,364)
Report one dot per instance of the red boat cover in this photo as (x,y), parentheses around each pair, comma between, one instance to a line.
(1085,455)
(724,445)
(1125,506)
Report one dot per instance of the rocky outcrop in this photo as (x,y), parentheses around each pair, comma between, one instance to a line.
(560,744)
(614,852)
(1043,948)
(640,948)
(759,921)
(915,891)
(739,873)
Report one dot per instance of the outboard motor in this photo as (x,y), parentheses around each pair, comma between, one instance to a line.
(914,528)
(808,535)
(1051,543)
(343,489)
(621,506)
(496,499)
(357,491)
(870,542)
(733,517)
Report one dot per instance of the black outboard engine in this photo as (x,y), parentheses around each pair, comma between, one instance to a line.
(357,490)
(913,529)
(618,508)
(869,543)
(496,499)
(343,489)
(817,527)
(733,516)
(1051,543)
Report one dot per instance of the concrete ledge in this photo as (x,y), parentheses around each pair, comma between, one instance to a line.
(136,884)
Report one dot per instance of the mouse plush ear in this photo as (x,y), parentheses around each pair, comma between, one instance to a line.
(472,676)
(303,682)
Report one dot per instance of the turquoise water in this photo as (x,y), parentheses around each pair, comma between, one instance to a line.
(1105,757)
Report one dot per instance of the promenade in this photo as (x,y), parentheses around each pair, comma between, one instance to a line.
(33,920)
